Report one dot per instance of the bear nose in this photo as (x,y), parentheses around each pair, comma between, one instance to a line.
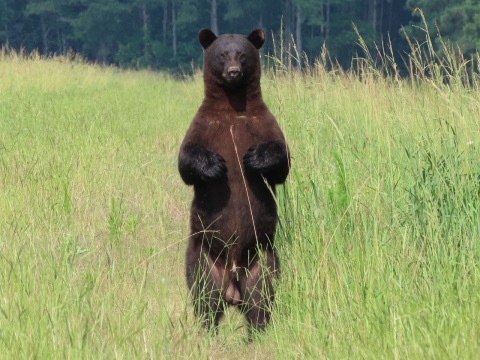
(234,71)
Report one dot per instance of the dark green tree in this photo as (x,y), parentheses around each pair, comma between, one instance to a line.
(102,27)
(53,20)
(6,16)
(458,22)
(162,34)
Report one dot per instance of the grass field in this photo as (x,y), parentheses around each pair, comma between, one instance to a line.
(379,219)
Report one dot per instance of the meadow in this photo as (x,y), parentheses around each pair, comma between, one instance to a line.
(379,225)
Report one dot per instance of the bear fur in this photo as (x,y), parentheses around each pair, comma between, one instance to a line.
(233,154)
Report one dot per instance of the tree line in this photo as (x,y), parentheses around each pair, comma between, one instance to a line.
(162,34)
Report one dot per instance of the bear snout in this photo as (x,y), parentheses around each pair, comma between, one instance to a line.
(233,74)
(234,71)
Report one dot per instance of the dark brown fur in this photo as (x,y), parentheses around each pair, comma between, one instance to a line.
(233,144)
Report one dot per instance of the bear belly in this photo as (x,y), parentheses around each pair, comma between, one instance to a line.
(224,212)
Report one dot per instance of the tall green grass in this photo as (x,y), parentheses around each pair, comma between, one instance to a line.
(379,218)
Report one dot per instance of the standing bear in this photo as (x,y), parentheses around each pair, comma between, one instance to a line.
(233,154)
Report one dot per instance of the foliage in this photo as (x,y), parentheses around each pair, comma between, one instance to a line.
(457,21)
(162,34)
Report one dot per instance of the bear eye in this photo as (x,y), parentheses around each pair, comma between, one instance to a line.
(223,55)
(242,56)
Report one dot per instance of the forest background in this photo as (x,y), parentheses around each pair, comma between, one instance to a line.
(162,34)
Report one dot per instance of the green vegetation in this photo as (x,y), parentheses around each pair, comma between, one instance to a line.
(457,20)
(162,34)
(379,218)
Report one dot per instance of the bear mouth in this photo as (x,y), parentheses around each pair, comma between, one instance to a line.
(233,80)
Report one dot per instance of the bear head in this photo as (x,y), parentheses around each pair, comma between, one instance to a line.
(232,61)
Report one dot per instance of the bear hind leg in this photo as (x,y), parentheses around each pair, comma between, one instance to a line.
(257,291)
(205,285)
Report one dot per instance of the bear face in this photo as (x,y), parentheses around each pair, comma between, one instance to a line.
(232,61)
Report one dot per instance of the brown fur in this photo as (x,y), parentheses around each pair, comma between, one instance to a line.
(233,144)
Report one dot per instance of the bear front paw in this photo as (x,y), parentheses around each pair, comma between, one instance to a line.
(211,166)
(206,164)
(200,164)
(265,156)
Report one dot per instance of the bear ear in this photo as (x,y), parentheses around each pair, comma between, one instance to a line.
(257,38)
(206,37)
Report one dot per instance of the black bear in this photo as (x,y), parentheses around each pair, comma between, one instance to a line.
(233,154)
